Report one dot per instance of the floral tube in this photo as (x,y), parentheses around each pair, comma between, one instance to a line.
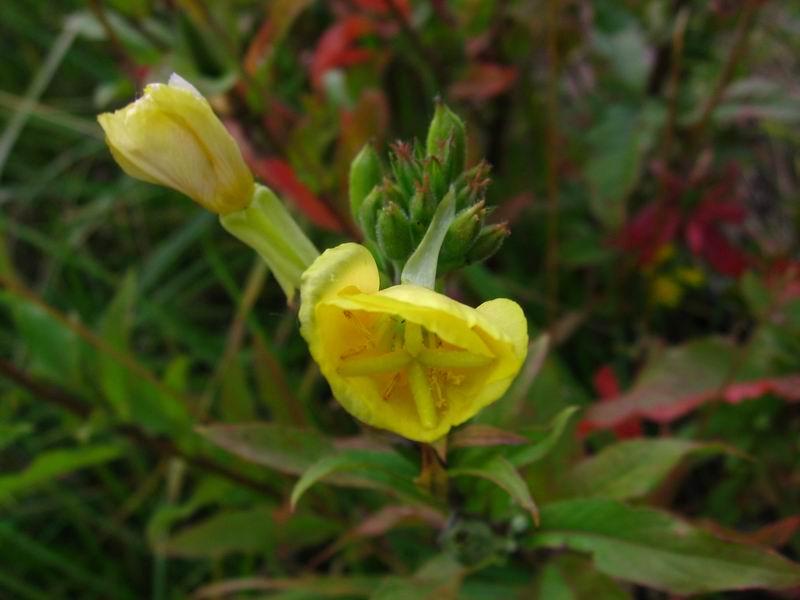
(406,359)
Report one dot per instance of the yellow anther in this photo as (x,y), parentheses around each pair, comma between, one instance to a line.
(452,359)
(423,399)
(372,365)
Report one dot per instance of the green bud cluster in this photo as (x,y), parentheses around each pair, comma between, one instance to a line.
(394,206)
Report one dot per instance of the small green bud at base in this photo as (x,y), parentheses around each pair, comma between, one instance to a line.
(394,232)
(365,174)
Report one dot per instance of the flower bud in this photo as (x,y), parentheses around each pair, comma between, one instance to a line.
(365,174)
(488,242)
(447,140)
(461,235)
(394,232)
(171,137)
(406,167)
(368,212)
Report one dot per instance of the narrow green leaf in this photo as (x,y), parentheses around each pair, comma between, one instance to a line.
(502,473)
(542,440)
(655,549)
(365,468)
(632,468)
(54,464)
(284,448)
(420,268)
(251,530)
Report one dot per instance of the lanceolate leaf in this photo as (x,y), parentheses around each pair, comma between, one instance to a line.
(364,468)
(542,440)
(501,472)
(632,468)
(281,447)
(653,548)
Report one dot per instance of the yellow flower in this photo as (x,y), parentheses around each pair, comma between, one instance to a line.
(406,358)
(172,137)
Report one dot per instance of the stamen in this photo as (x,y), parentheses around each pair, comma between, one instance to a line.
(413,339)
(390,388)
(452,359)
(421,391)
(372,365)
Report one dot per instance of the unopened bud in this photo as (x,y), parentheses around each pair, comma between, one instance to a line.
(488,242)
(394,232)
(447,140)
(368,212)
(462,233)
(365,174)
(405,167)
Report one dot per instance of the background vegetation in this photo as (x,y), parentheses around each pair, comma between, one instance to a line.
(645,156)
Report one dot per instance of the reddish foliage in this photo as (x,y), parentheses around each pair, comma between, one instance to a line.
(606,385)
(663,221)
(622,410)
(383,7)
(337,47)
(279,175)
(483,81)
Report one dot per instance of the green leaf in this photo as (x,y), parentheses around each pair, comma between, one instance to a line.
(115,329)
(632,468)
(251,530)
(617,146)
(284,448)
(55,464)
(55,349)
(542,440)
(655,549)
(420,269)
(502,473)
(573,578)
(364,468)
(439,578)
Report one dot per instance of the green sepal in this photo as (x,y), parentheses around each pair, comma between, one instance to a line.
(267,227)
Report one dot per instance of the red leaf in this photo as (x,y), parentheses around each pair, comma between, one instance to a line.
(336,47)
(653,226)
(384,6)
(483,81)
(607,386)
(682,379)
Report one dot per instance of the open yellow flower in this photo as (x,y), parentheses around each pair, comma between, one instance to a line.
(171,137)
(406,358)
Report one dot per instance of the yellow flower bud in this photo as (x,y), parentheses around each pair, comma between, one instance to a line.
(406,358)
(171,137)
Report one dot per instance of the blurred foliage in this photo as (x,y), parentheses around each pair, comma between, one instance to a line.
(158,403)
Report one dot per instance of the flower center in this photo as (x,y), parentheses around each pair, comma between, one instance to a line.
(409,355)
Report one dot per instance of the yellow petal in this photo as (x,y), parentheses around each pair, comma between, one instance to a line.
(419,385)
(172,137)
